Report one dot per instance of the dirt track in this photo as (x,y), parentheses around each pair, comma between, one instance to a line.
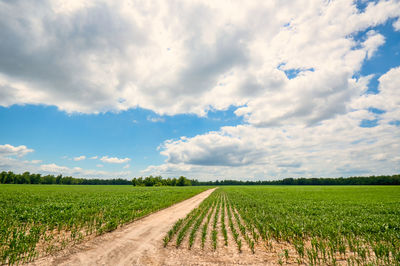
(139,243)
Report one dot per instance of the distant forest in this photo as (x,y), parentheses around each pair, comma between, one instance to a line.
(370,180)
(28,178)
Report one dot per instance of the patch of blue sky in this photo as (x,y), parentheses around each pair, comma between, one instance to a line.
(362,4)
(369,123)
(293,72)
(385,58)
(395,123)
(53,134)
(376,111)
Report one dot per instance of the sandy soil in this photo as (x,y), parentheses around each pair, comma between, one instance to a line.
(139,243)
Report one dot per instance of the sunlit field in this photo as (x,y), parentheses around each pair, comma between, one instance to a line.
(300,224)
(38,219)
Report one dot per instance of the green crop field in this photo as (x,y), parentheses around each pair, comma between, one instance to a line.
(38,219)
(354,225)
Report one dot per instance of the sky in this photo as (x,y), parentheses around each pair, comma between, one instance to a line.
(255,90)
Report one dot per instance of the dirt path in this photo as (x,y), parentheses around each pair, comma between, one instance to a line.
(139,243)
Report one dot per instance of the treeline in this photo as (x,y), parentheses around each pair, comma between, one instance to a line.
(28,178)
(370,180)
(151,181)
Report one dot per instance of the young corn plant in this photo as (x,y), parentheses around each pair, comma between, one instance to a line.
(172,231)
(205,226)
(185,228)
(242,229)
(214,232)
(197,225)
(223,227)
(233,229)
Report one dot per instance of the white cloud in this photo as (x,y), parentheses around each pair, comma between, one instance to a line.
(388,98)
(79,172)
(177,57)
(93,157)
(99,165)
(380,157)
(338,147)
(189,57)
(80,158)
(53,168)
(127,166)
(155,119)
(107,159)
(33,161)
(396,25)
(335,147)
(17,165)
(9,150)
(373,42)
(211,149)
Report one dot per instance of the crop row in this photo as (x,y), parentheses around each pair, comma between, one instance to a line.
(36,219)
(216,219)
(304,225)
(324,225)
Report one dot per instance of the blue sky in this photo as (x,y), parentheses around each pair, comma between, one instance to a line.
(387,57)
(223,90)
(58,137)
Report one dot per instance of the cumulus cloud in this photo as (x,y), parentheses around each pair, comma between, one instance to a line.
(9,150)
(79,172)
(387,100)
(289,68)
(189,57)
(80,158)
(15,165)
(334,147)
(107,159)
(338,147)
(211,149)
(53,168)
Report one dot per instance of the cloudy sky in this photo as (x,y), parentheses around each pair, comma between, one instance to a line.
(205,89)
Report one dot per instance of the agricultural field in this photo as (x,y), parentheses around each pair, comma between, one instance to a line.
(311,225)
(36,220)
